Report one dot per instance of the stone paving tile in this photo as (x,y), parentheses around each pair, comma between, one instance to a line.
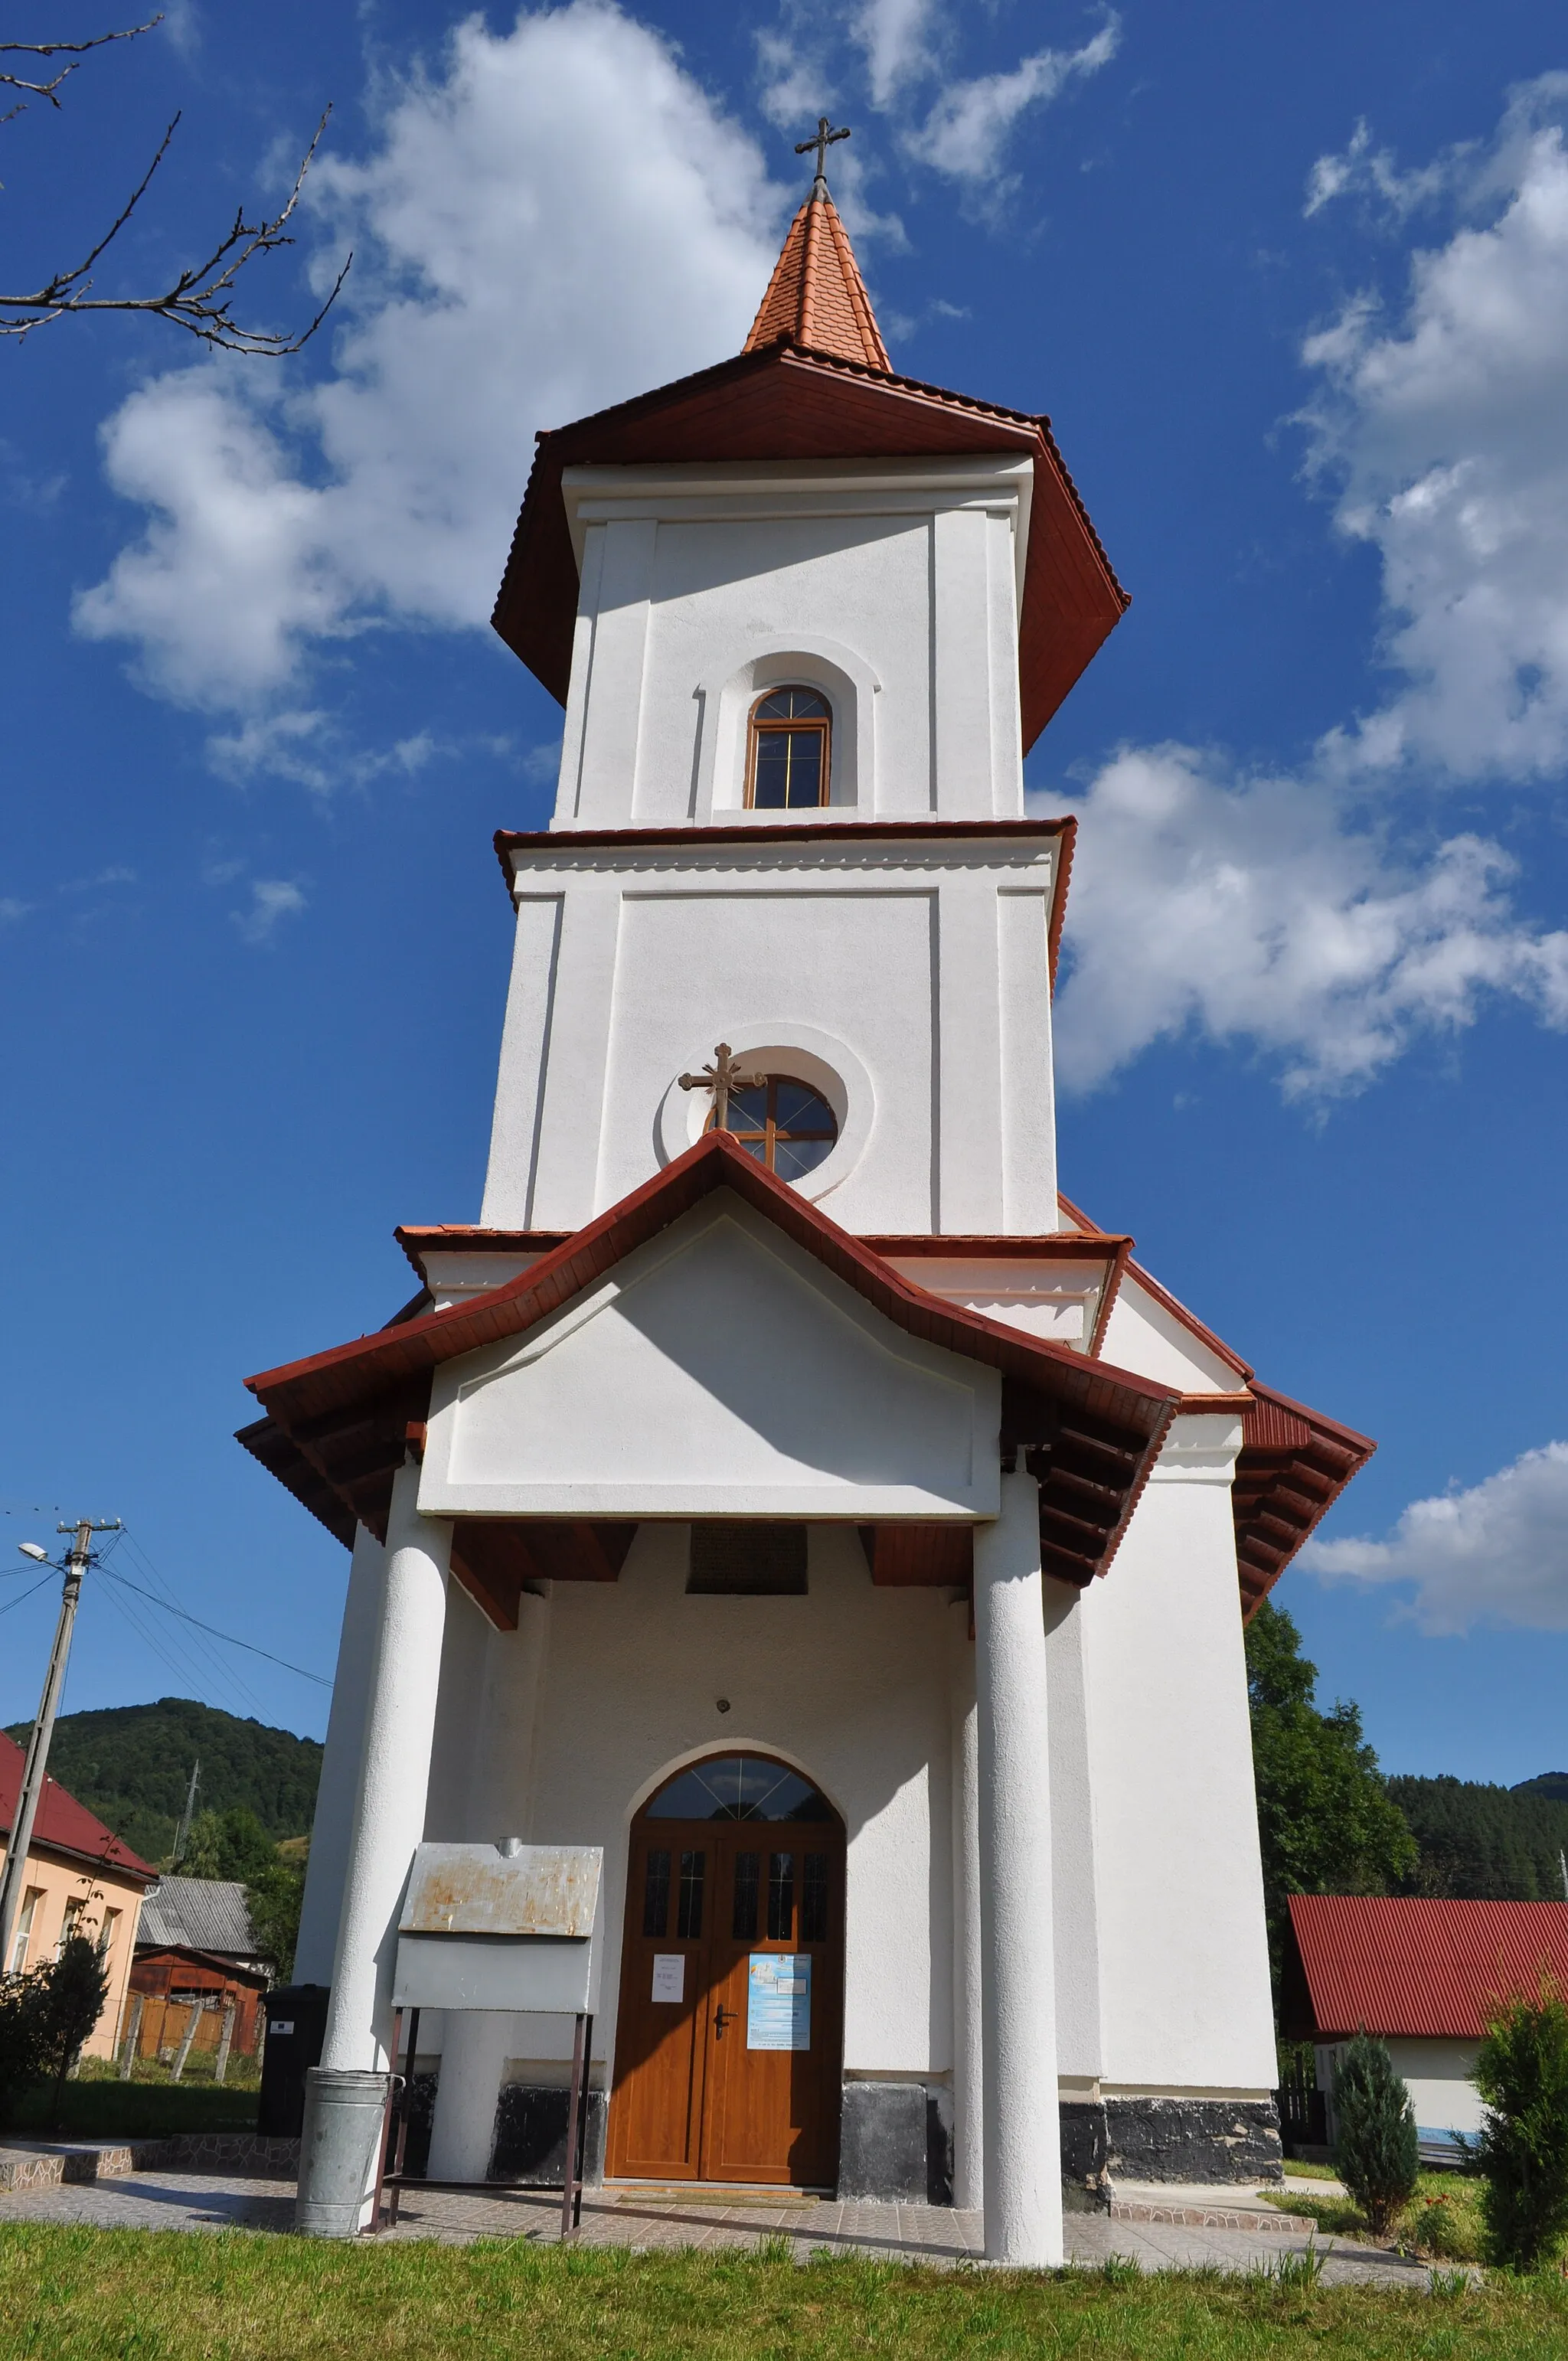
(160,2201)
(936,2234)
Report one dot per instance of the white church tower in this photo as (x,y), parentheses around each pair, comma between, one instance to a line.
(782,1488)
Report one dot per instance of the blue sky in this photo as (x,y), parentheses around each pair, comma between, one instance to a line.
(1293,286)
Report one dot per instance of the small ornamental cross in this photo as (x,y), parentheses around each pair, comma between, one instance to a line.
(722,1077)
(826,137)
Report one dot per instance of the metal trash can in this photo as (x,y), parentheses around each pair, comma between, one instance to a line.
(295,2018)
(345,2110)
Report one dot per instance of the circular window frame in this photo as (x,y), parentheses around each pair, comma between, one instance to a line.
(806,1055)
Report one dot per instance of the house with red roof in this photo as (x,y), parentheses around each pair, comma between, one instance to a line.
(1423,1974)
(81,1880)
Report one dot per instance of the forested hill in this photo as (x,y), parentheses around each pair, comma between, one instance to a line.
(1478,1842)
(130,1764)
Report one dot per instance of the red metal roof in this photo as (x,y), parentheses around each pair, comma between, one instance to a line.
(817,296)
(63,1825)
(1421,1968)
(784,402)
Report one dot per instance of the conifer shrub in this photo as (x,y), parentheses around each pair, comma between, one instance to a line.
(74,1989)
(44,2017)
(1521,2074)
(1375,2149)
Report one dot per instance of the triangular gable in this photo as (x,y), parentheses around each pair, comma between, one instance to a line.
(342,1419)
(719,1370)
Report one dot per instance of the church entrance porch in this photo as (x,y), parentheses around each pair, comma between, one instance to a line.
(729,2032)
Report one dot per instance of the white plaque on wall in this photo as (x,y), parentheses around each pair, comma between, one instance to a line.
(669,1975)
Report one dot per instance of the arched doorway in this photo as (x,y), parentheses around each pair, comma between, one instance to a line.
(729,2040)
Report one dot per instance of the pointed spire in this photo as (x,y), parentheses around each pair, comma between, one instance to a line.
(817,296)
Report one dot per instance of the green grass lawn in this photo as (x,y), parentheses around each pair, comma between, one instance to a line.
(123,2295)
(93,2108)
(1442,2220)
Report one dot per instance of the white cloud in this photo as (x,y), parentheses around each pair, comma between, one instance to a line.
(1245,910)
(12,908)
(1445,433)
(1260,911)
(1360,169)
(1496,1554)
(271,898)
(966,133)
(564,219)
(901,41)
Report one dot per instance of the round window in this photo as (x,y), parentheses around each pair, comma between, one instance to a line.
(785,1124)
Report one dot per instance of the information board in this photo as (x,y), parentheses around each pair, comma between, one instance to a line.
(778,2000)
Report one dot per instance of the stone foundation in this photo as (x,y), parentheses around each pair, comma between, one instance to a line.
(1203,2140)
(893,2144)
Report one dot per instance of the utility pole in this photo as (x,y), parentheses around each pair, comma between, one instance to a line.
(183,1834)
(14,1877)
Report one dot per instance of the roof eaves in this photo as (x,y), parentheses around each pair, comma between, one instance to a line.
(714,1161)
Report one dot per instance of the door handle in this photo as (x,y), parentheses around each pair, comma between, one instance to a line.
(723,2016)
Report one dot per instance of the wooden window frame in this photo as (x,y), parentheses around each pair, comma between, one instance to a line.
(819,726)
(772,1130)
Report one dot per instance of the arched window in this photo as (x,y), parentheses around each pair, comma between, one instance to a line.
(786,761)
(739,1787)
(785,1125)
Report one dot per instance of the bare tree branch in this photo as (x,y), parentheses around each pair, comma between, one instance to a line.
(77,49)
(201,299)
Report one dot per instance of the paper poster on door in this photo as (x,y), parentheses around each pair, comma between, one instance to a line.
(778,2000)
(669,1975)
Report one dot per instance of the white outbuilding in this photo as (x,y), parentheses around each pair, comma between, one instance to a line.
(782,1487)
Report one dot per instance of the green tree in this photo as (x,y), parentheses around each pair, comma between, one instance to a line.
(20,2002)
(1375,2148)
(1326,1822)
(1521,2073)
(231,1845)
(273,1900)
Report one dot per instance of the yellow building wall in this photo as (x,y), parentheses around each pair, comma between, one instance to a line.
(55,1883)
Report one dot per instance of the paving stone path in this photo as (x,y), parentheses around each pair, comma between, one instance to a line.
(218,2201)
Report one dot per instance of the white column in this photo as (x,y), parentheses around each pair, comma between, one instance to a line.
(1022,2126)
(394,1777)
(968,2113)
(337,1795)
(474,2051)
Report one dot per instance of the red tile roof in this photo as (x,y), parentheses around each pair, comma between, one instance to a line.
(816,296)
(63,1825)
(1421,1969)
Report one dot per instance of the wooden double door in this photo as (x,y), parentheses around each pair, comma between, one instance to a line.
(730,2036)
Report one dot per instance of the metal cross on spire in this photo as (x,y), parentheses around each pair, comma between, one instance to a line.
(825,135)
(722,1077)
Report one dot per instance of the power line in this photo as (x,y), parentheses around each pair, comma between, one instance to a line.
(226,1675)
(227,1637)
(27,1594)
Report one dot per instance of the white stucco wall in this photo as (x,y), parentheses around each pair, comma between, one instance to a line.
(653,1392)
(892,589)
(916,972)
(1184,1967)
